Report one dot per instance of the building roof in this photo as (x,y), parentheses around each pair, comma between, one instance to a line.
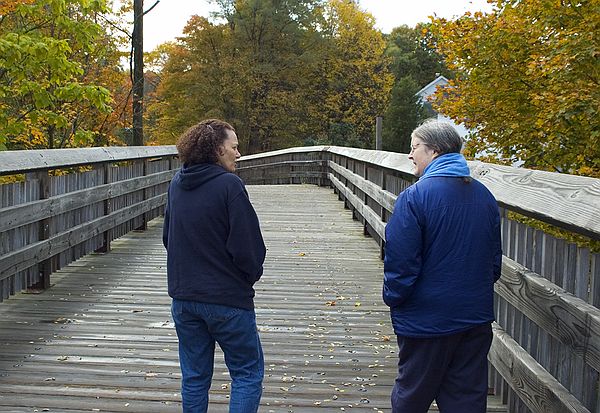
(429,89)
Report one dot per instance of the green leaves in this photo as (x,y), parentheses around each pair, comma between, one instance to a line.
(414,63)
(44,93)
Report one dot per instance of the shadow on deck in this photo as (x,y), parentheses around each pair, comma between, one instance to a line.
(102,339)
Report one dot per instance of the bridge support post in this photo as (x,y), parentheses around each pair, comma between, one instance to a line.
(106,235)
(145,195)
(378,129)
(44,267)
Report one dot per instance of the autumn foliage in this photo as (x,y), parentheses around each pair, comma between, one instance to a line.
(58,66)
(523,78)
(284,73)
(527,82)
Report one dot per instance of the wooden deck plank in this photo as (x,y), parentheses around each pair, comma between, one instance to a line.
(102,338)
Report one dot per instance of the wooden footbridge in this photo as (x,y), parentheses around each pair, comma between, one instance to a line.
(85,323)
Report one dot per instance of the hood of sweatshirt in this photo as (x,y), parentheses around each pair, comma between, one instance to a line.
(192,176)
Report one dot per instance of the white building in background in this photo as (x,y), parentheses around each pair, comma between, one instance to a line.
(429,90)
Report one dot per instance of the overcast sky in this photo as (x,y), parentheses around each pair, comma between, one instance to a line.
(166,21)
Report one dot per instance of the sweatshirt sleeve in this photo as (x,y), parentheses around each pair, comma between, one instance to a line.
(165,234)
(245,242)
(403,255)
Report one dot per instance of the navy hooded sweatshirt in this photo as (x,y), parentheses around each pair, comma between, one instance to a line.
(215,250)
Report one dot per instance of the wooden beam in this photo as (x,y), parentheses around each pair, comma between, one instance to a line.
(567,318)
(19,162)
(280,164)
(32,254)
(364,210)
(541,392)
(23,214)
(568,201)
(384,198)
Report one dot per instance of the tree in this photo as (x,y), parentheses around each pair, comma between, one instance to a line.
(196,81)
(402,115)
(414,64)
(354,74)
(283,73)
(528,82)
(246,71)
(46,50)
(137,43)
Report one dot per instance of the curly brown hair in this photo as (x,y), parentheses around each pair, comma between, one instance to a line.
(200,143)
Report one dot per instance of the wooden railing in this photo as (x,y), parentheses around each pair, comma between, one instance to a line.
(62,204)
(546,349)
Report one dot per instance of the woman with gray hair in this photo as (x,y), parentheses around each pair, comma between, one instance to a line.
(442,256)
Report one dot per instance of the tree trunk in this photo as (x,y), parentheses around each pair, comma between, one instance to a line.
(138,72)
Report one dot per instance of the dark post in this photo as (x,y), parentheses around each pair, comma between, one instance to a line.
(45,266)
(378,126)
(146,194)
(104,169)
(138,72)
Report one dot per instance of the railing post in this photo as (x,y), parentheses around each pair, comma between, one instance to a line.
(144,225)
(44,267)
(106,235)
(378,129)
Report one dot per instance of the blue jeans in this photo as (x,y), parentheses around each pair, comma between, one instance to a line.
(199,326)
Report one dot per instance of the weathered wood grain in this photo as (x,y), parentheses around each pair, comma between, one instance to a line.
(18,162)
(571,320)
(23,214)
(568,201)
(535,386)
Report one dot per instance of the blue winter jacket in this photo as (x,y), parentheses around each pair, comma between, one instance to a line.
(442,253)
(215,250)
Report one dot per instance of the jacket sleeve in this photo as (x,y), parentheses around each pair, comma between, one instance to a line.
(245,242)
(403,251)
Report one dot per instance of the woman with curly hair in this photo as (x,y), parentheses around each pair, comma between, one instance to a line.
(215,254)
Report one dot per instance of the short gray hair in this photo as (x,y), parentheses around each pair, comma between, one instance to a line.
(440,136)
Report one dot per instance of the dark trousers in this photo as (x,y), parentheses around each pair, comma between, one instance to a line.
(452,370)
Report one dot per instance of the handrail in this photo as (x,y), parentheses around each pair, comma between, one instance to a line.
(20,162)
(50,218)
(567,201)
